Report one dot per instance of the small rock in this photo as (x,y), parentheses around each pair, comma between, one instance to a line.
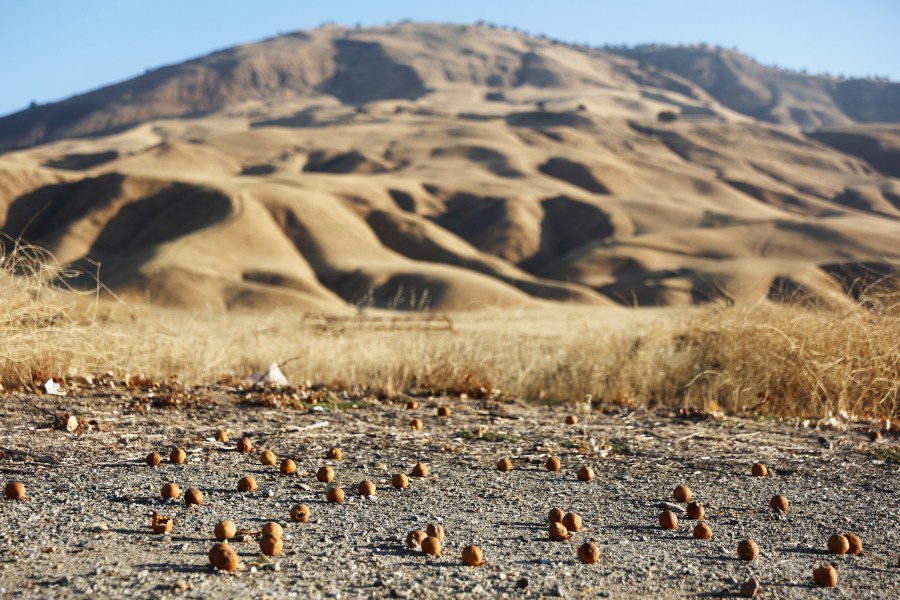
(522,583)
(675,508)
(100,528)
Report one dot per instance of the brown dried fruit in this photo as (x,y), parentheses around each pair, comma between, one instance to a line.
(695,510)
(838,544)
(273,528)
(443,411)
(472,556)
(335,454)
(223,557)
(288,467)
(193,496)
(222,436)
(585,474)
(558,532)
(759,470)
(366,488)
(267,458)
(572,420)
(750,588)
(247,484)
(825,576)
(153,459)
(225,530)
(170,490)
(216,548)
(556,515)
(300,513)
(15,490)
(325,474)
(702,531)
(420,470)
(415,538)
(412,405)
(572,521)
(177,456)
(552,464)
(161,524)
(416,424)
(748,550)
(682,493)
(435,530)
(271,545)
(588,553)
(779,503)
(668,520)
(431,545)
(854,542)
(504,464)
(335,495)
(400,480)
(244,445)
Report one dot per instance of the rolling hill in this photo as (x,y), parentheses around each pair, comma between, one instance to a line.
(423,166)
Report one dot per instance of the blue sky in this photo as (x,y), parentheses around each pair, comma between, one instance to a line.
(53,49)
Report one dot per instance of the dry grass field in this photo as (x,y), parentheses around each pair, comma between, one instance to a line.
(790,359)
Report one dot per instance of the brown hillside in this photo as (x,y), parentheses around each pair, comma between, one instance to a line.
(772,94)
(517,173)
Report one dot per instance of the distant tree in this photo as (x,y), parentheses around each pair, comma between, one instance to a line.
(541,106)
(667,116)
(32,104)
(582,108)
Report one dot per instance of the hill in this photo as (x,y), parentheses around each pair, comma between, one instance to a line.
(772,94)
(445,167)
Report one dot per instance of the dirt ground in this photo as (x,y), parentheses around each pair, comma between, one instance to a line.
(84,525)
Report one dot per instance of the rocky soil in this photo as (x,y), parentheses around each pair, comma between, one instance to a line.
(84,525)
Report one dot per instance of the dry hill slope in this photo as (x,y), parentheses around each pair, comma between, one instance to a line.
(442,167)
(772,94)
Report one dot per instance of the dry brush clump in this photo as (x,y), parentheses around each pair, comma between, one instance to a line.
(793,359)
(41,337)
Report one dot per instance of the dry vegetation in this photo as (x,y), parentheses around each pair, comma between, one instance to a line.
(779,359)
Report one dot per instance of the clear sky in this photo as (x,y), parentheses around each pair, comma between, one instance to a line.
(52,49)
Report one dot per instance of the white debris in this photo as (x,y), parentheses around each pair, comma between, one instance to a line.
(271,376)
(53,388)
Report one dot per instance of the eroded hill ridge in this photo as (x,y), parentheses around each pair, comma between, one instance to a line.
(458,167)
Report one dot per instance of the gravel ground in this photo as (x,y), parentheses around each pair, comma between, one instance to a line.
(83,527)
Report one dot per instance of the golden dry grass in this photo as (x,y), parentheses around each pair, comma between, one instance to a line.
(39,336)
(780,359)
